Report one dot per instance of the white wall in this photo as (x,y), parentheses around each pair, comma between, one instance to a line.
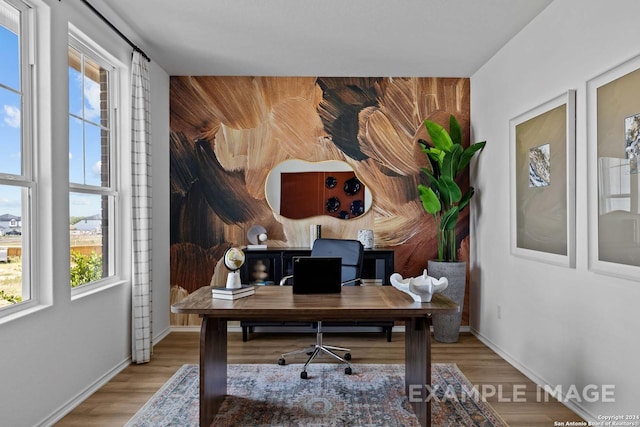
(562,326)
(51,359)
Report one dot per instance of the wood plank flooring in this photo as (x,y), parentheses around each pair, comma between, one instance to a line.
(115,403)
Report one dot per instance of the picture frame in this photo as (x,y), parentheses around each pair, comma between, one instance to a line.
(613,120)
(542,145)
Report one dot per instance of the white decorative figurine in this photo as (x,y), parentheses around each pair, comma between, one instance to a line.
(421,288)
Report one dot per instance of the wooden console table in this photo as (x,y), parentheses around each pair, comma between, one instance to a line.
(279,303)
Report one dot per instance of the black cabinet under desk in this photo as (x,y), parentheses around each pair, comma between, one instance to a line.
(377,265)
(269,266)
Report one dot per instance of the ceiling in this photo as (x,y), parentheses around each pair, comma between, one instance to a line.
(438,38)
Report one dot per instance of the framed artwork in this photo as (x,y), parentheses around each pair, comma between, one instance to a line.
(613,143)
(542,176)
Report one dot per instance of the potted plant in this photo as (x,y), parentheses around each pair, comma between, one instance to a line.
(443,199)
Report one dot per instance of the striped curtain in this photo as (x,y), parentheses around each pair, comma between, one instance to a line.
(141,210)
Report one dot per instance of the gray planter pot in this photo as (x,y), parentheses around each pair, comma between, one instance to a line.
(446,327)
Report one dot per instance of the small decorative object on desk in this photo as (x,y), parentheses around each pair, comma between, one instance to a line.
(421,288)
(233,260)
(233,293)
(366,238)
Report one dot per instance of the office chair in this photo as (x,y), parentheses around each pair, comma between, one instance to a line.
(351,252)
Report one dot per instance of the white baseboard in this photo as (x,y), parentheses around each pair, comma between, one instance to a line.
(401,329)
(533,376)
(185,328)
(63,410)
(161,335)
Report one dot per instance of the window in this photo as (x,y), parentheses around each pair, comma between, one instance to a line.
(16,146)
(92,175)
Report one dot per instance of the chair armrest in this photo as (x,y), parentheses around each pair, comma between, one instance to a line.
(284,280)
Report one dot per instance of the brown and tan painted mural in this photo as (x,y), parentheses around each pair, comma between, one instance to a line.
(227,133)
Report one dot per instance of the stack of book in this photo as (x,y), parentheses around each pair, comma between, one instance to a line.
(233,293)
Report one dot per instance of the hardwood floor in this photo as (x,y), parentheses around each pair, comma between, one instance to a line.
(120,399)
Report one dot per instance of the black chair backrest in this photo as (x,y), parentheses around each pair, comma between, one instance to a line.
(351,252)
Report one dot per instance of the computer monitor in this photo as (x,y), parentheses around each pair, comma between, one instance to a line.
(317,275)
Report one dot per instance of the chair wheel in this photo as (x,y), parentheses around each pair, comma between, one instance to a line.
(281,361)
(347,370)
(347,356)
(303,375)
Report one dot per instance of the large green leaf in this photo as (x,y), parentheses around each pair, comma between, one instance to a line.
(439,136)
(449,219)
(430,201)
(449,188)
(433,182)
(455,130)
(466,156)
(464,201)
(450,161)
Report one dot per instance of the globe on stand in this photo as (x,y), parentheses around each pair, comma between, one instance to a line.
(233,260)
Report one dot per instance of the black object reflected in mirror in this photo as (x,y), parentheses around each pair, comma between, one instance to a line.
(357,208)
(333,204)
(352,186)
(330,182)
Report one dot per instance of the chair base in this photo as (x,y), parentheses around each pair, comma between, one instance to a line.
(314,350)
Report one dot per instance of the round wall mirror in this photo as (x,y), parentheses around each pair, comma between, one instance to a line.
(297,189)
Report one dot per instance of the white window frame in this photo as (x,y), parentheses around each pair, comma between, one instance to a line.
(86,46)
(26,180)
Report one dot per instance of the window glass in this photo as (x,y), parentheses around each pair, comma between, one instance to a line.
(92,197)
(12,288)
(15,182)
(10,90)
(96,144)
(10,131)
(89,125)
(89,237)
(10,42)
(75,82)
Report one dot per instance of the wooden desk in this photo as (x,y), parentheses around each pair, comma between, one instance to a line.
(279,303)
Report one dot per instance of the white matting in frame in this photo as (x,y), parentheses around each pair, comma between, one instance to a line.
(613,138)
(542,176)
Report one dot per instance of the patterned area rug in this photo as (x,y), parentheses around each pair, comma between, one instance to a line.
(272,395)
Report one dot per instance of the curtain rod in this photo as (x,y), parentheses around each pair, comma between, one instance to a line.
(113,27)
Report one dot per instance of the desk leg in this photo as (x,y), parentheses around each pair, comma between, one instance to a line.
(213,368)
(418,367)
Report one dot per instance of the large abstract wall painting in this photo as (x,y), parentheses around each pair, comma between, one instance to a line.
(228,133)
(613,112)
(543,182)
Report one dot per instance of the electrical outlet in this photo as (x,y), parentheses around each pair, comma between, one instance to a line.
(499,311)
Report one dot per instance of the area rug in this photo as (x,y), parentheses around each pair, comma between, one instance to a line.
(272,395)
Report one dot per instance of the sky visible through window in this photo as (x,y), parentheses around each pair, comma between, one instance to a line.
(10,107)
(84,154)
